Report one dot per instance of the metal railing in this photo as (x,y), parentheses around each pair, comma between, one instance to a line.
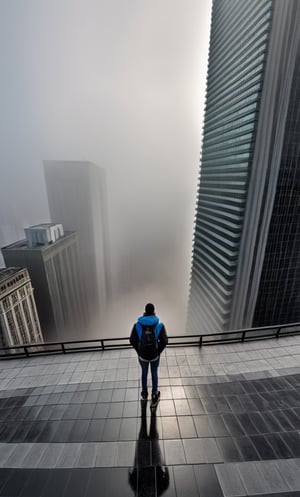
(101,344)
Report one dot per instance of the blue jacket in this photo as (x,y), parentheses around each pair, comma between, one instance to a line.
(160,332)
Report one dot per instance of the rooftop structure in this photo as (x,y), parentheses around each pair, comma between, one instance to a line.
(53,269)
(227,424)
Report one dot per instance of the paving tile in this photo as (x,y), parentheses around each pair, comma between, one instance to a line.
(207,481)
(50,456)
(203,426)
(194,451)
(252,478)
(16,456)
(174,452)
(230,480)
(68,455)
(86,455)
(56,483)
(185,481)
(125,454)
(16,482)
(187,427)
(271,477)
(36,483)
(290,472)
(106,454)
(33,456)
(170,429)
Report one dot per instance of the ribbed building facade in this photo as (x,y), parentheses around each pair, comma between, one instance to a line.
(252,88)
(19,321)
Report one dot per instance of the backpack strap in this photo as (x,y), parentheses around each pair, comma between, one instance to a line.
(139,330)
(158,327)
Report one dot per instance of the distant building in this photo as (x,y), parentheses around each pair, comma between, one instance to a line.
(246,263)
(19,322)
(77,198)
(51,257)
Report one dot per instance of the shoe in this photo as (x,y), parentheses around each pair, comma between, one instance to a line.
(155,399)
(144,395)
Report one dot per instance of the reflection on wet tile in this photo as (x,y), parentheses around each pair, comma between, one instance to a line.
(185,481)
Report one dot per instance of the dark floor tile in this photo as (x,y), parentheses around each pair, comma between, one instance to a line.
(257,420)
(77,483)
(63,431)
(20,434)
(234,427)
(35,431)
(143,453)
(45,413)
(235,404)
(36,483)
(15,483)
(293,418)
(292,440)
(185,481)
(4,475)
(71,411)
(248,386)
(247,403)
(79,429)
(207,481)
(283,420)
(246,449)
(271,422)
(263,447)
(228,449)
(56,483)
(8,430)
(57,412)
(247,423)
(33,413)
(95,431)
(218,426)
(96,483)
(280,448)
(120,482)
(48,432)
(111,430)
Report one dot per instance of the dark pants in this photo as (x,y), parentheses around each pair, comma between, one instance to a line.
(154,367)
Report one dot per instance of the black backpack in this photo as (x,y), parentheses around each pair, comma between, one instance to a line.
(148,346)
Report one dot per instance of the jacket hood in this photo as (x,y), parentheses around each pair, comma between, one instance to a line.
(148,320)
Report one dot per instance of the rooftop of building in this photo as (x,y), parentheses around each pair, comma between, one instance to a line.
(227,423)
(23,245)
(7,272)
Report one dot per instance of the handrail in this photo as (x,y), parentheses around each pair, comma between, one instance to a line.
(102,344)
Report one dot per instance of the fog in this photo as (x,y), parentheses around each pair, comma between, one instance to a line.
(120,84)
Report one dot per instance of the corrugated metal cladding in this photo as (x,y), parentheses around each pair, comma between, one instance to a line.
(279,292)
(238,45)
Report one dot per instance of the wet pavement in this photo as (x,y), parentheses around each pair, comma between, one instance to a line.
(228,424)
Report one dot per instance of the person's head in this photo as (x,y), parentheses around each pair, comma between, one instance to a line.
(149,310)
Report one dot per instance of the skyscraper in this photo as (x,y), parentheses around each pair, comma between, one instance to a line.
(246,262)
(77,198)
(19,321)
(51,257)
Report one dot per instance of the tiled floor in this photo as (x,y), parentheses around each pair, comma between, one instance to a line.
(228,424)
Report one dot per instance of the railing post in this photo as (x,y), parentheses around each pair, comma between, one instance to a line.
(200,341)
(102,344)
(243,335)
(63,348)
(26,351)
(277,332)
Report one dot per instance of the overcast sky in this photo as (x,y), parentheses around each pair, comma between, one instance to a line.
(121,84)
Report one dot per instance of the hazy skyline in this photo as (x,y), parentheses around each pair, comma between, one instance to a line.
(120,84)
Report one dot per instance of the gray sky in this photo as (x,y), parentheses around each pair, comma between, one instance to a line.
(121,84)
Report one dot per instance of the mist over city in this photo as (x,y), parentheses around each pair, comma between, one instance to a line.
(120,85)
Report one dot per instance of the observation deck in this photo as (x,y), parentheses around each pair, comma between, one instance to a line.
(228,423)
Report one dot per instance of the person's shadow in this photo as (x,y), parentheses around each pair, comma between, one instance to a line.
(149,475)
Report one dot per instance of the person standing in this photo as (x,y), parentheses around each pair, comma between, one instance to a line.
(149,338)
